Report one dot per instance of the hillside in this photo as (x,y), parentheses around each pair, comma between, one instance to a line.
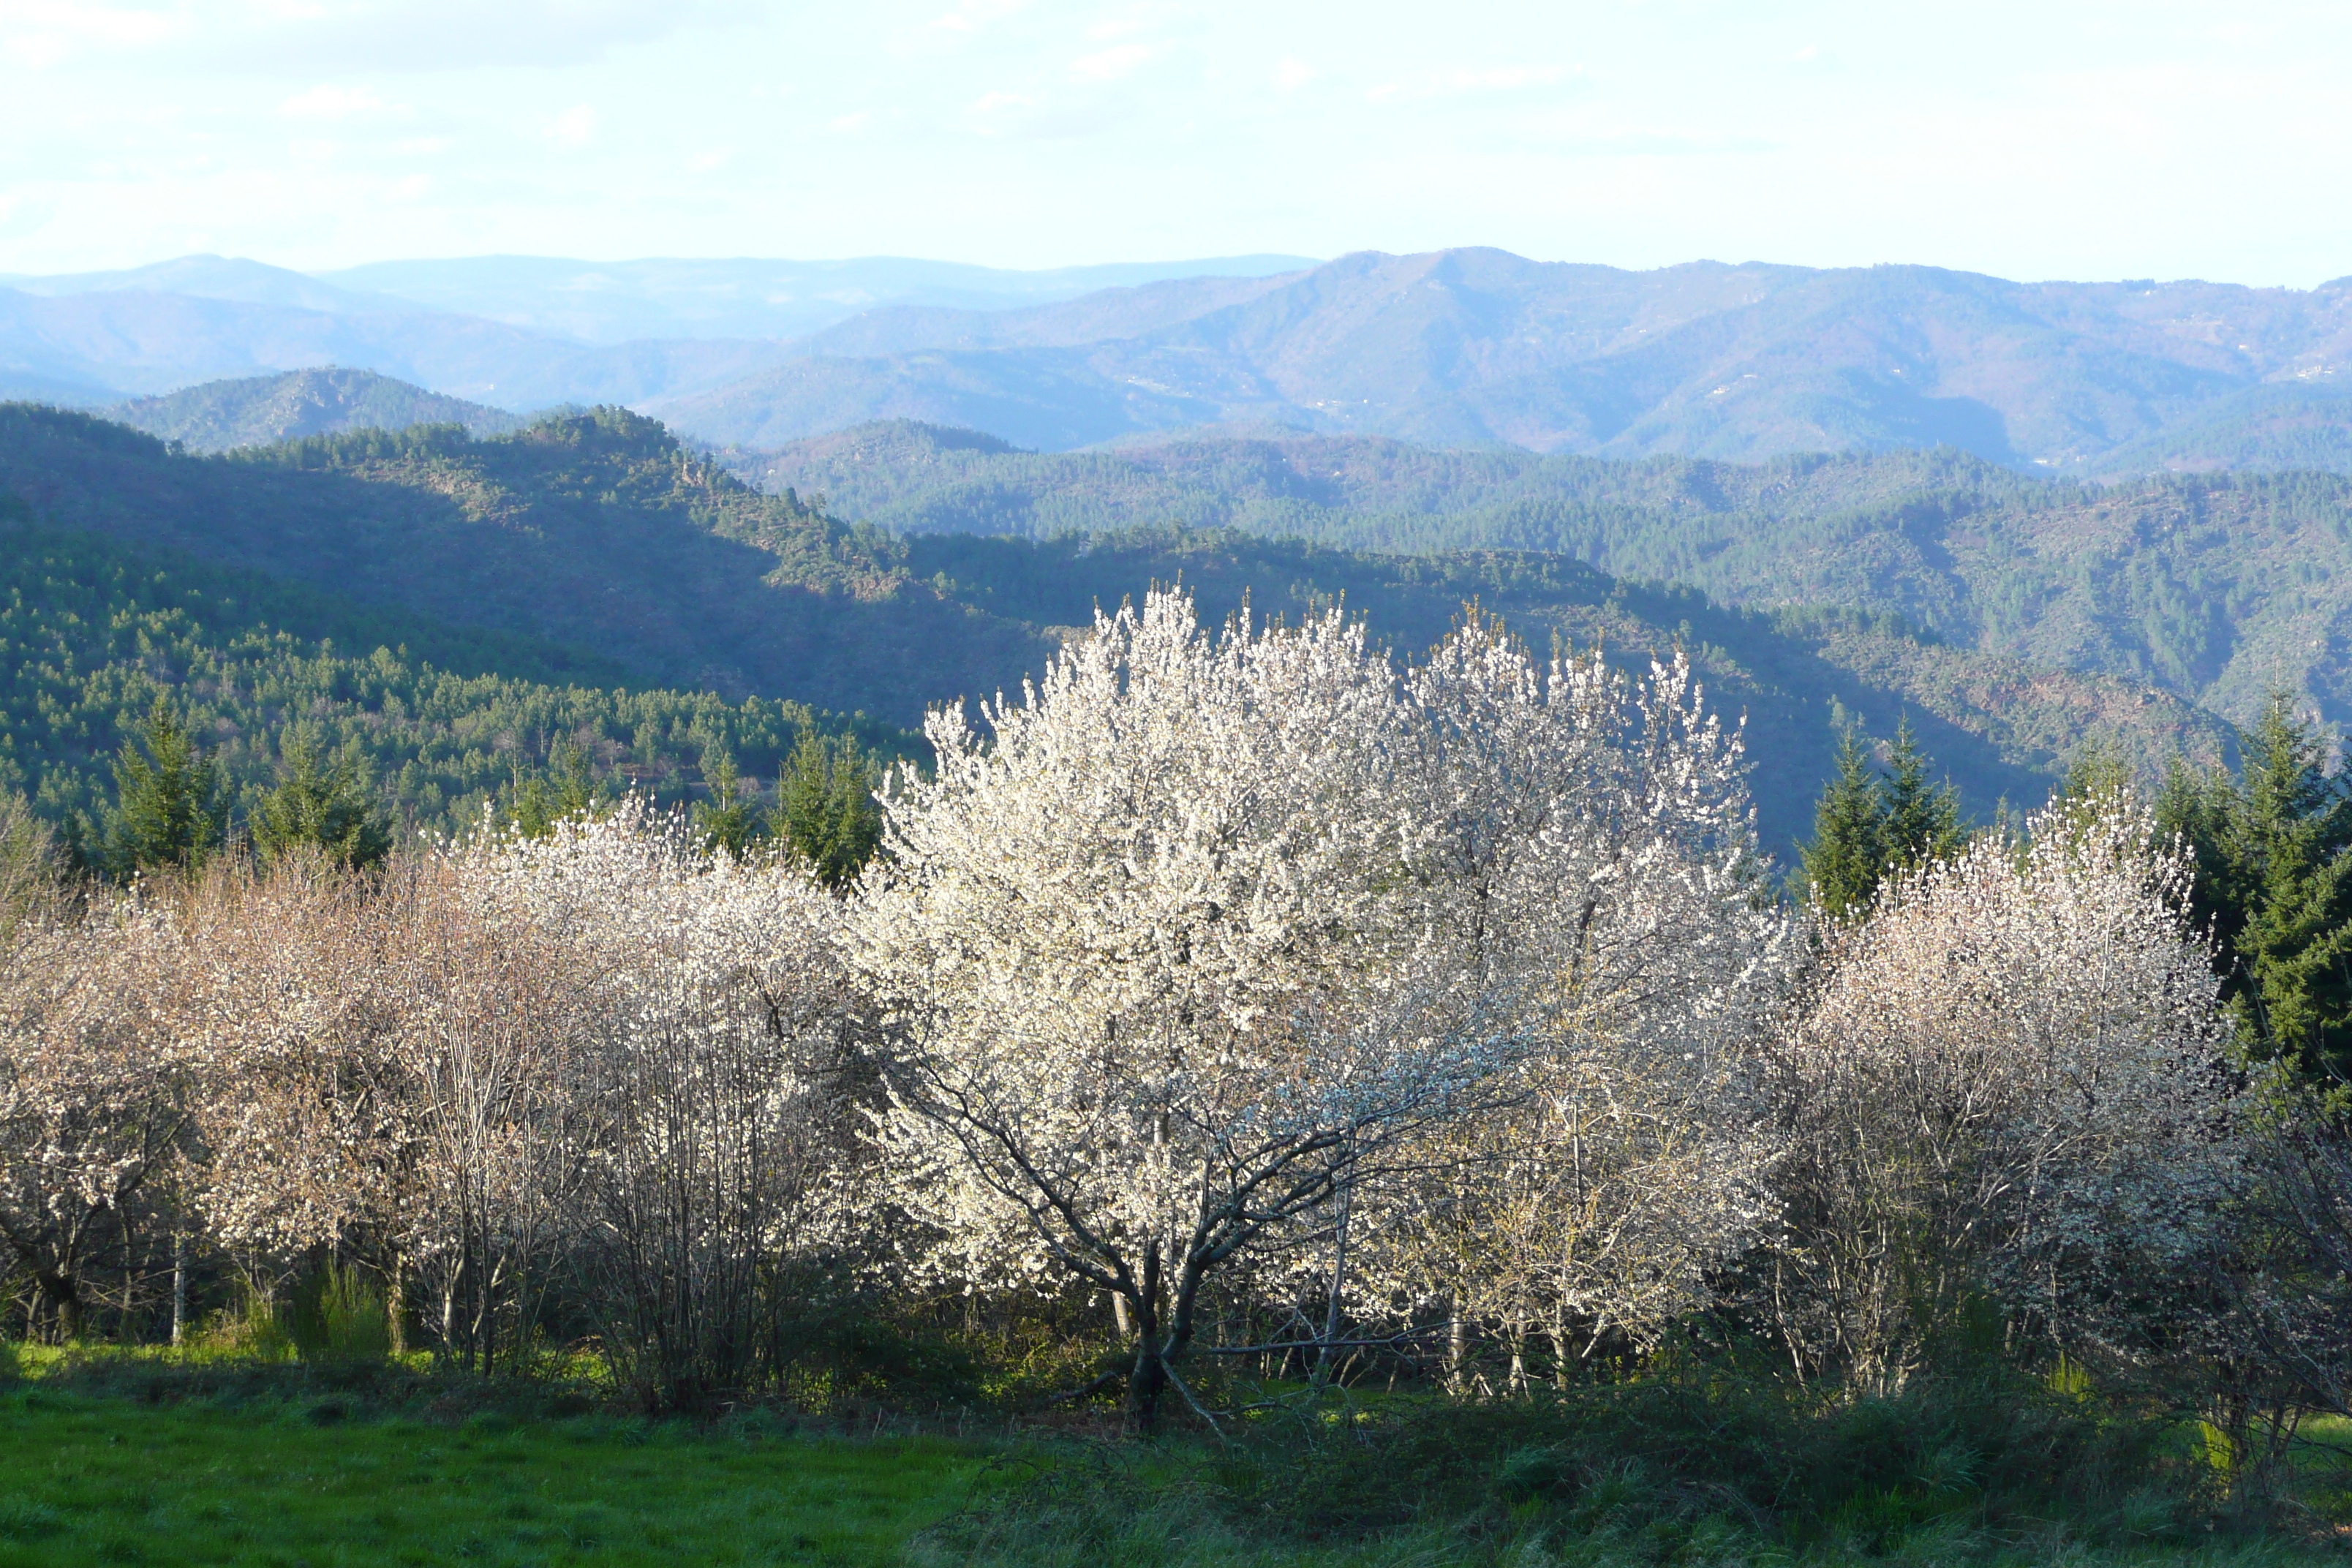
(599,532)
(2216,587)
(440,719)
(593,530)
(219,415)
(1483,348)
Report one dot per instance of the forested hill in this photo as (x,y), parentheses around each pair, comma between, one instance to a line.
(437,719)
(261,409)
(596,539)
(596,531)
(2216,587)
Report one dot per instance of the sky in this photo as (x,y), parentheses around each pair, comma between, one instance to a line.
(2057,138)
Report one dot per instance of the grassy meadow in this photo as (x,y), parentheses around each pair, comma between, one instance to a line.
(119,1456)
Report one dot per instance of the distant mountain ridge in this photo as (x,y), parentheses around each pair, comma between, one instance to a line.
(618,301)
(220,415)
(1459,348)
(1467,348)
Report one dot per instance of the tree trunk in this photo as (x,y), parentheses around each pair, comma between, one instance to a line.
(63,1292)
(395,1302)
(179,1286)
(1151,1379)
(1457,1345)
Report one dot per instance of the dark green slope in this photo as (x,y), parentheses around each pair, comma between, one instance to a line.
(2216,587)
(257,410)
(440,719)
(598,534)
(596,531)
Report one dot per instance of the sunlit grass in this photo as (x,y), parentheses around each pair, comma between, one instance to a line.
(154,1457)
(111,1480)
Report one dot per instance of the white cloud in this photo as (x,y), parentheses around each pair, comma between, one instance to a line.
(329,102)
(1291,75)
(1464,80)
(970,15)
(44,33)
(857,120)
(1114,64)
(575,127)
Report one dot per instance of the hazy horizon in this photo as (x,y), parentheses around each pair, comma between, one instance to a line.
(2093,141)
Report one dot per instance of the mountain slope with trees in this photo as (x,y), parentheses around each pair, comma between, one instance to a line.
(599,533)
(436,721)
(259,410)
(2215,587)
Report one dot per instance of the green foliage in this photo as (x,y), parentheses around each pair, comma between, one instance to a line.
(339,1317)
(1707,1444)
(1869,825)
(1923,817)
(566,789)
(28,859)
(2272,849)
(730,819)
(170,812)
(92,636)
(1848,852)
(826,811)
(320,803)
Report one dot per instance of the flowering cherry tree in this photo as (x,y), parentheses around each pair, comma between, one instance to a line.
(96,1091)
(1591,833)
(2010,1077)
(1220,935)
(704,1114)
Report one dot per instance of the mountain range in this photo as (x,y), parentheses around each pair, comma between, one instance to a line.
(594,548)
(2218,588)
(1457,348)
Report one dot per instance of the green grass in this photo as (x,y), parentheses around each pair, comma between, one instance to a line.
(149,1457)
(96,1479)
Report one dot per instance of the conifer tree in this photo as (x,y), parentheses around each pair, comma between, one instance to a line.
(728,819)
(1923,819)
(1849,851)
(826,811)
(2273,848)
(321,802)
(566,790)
(169,810)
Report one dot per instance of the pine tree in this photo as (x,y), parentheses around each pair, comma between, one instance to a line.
(2274,853)
(169,805)
(319,802)
(730,819)
(1922,823)
(824,810)
(1849,852)
(566,790)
